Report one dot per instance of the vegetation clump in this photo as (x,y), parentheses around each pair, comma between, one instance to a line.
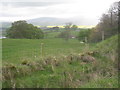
(21,29)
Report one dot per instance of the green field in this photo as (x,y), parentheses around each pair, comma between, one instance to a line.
(15,50)
(25,66)
(53,34)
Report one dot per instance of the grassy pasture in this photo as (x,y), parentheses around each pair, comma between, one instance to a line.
(53,34)
(15,50)
(66,72)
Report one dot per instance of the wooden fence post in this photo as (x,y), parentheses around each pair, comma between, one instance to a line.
(42,50)
(103,35)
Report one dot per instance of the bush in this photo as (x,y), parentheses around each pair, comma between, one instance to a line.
(95,36)
(65,34)
(83,34)
(21,29)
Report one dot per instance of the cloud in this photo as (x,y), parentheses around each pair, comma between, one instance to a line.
(29,4)
(89,10)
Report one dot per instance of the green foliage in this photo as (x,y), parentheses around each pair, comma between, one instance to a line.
(68,26)
(65,35)
(21,29)
(108,25)
(109,45)
(109,22)
(102,82)
(74,27)
(57,34)
(95,36)
(83,34)
(51,34)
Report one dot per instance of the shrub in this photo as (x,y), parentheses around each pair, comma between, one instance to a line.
(21,29)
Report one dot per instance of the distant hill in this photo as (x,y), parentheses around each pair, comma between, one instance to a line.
(51,21)
(5,24)
(46,21)
(43,21)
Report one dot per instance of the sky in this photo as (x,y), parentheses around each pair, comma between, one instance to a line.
(87,11)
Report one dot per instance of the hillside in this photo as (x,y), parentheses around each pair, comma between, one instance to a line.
(108,44)
(106,68)
(46,21)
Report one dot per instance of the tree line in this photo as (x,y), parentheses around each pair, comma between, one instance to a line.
(107,27)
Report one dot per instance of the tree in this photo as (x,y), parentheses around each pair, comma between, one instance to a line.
(68,26)
(95,36)
(21,29)
(83,34)
(119,16)
(108,25)
(74,27)
(65,35)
